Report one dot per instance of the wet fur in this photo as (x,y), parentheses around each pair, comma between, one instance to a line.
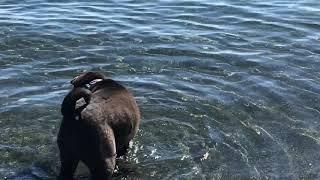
(68,107)
(106,125)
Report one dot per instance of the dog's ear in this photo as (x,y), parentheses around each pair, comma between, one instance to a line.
(86,78)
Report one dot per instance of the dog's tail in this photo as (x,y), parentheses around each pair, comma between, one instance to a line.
(68,107)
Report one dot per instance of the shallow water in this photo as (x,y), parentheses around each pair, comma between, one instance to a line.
(227,90)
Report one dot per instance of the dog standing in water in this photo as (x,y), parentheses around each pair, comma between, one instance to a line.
(98,131)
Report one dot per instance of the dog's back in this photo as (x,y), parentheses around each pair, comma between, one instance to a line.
(113,105)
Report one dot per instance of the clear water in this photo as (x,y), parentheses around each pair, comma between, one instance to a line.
(227,89)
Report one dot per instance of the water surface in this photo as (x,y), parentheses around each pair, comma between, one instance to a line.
(227,89)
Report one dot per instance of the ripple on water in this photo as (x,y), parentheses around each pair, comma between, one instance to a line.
(227,90)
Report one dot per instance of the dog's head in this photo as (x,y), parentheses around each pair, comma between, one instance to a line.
(86,78)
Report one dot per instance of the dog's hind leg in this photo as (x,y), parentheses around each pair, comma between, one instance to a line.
(102,168)
(101,173)
(102,163)
(122,146)
(68,166)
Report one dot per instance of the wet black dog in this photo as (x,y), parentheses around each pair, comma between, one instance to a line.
(100,129)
